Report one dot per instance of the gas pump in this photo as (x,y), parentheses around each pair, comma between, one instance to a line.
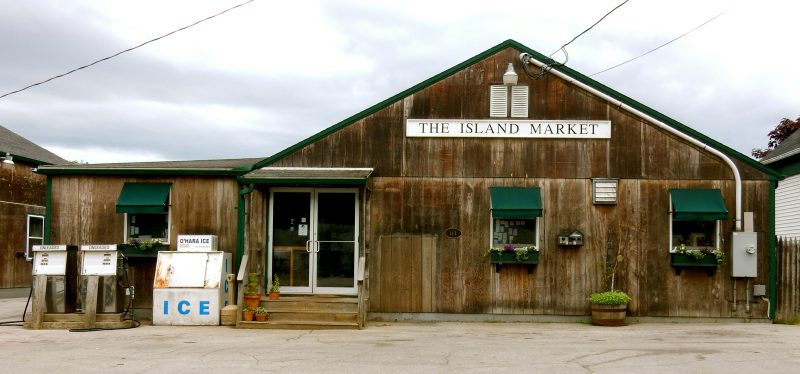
(55,281)
(102,261)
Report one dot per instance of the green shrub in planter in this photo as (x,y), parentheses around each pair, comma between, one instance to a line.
(609,298)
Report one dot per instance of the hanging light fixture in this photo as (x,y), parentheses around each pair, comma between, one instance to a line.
(510,77)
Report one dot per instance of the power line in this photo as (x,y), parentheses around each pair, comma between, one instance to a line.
(659,47)
(584,32)
(547,67)
(127,50)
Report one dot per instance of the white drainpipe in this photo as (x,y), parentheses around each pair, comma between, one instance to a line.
(660,124)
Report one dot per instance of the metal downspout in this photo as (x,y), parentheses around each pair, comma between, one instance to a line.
(662,125)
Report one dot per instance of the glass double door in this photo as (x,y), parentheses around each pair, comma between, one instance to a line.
(314,240)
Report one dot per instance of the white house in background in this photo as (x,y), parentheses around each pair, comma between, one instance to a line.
(785,158)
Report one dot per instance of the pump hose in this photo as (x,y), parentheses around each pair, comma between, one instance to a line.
(25,311)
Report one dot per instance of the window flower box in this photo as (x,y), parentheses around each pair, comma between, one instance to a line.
(710,259)
(139,251)
(514,256)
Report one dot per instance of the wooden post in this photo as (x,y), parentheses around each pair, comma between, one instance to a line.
(37,310)
(90,309)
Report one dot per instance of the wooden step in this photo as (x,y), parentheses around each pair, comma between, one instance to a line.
(296,325)
(313,316)
(312,304)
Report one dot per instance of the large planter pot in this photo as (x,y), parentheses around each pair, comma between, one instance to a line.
(680,261)
(609,315)
(252,301)
(510,258)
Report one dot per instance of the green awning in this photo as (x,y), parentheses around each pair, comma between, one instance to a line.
(516,202)
(143,198)
(698,205)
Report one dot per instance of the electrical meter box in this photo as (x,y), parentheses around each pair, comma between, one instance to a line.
(197,243)
(102,260)
(59,264)
(744,254)
(190,288)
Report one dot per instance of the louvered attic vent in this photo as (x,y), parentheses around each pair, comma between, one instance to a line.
(498,101)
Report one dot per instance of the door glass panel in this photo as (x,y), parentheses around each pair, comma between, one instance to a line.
(336,218)
(335,264)
(291,218)
(336,233)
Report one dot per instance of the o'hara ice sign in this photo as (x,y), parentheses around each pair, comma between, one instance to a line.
(202,243)
(478,128)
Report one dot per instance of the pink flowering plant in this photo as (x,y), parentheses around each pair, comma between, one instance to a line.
(521,252)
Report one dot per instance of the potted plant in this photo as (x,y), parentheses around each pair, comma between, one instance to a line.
(260,314)
(248,313)
(609,307)
(251,297)
(275,288)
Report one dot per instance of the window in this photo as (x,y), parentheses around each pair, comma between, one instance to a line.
(695,216)
(35,234)
(146,208)
(515,215)
(146,226)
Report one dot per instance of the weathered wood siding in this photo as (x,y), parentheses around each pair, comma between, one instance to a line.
(788,303)
(22,192)
(84,212)
(421,187)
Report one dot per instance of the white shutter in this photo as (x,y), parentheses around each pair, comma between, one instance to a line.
(498,101)
(519,101)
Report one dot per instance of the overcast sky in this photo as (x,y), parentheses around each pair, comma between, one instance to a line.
(271,73)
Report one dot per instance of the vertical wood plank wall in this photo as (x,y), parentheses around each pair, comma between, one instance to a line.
(423,186)
(22,193)
(788,304)
(84,212)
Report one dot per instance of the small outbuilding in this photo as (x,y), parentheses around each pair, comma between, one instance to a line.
(399,205)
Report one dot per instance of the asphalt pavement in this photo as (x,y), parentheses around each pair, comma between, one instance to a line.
(405,348)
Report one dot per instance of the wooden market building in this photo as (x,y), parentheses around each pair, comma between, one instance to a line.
(22,206)
(504,149)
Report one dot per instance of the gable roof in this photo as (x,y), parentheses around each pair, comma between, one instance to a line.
(788,147)
(236,166)
(538,56)
(25,150)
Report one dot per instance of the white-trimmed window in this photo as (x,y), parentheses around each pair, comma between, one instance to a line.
(515,215)
(34,234)
(147,210)
(694,218)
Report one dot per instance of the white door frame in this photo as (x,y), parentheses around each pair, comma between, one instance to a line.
(313,244)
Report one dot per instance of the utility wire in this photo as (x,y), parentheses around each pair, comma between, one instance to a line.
(548,67)
(127,50)
(584,32)
(659,47)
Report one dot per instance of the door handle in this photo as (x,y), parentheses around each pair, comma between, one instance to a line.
(308,248)
(316,246)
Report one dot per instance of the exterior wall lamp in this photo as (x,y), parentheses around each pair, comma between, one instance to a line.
(7,159)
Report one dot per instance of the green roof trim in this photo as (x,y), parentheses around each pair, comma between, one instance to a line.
(308,176)
(698,205)
(143,172)
(143,198)
(516,202)
(773,175)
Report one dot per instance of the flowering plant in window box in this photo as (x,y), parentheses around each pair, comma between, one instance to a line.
(511,254)
(696,257)
(701,253)
(142,248)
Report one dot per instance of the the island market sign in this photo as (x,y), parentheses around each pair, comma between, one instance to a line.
(461,128)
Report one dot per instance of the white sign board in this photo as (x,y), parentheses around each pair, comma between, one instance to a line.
(99,259)
(481,128)
(186,306)
(197,243)
(50,262)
